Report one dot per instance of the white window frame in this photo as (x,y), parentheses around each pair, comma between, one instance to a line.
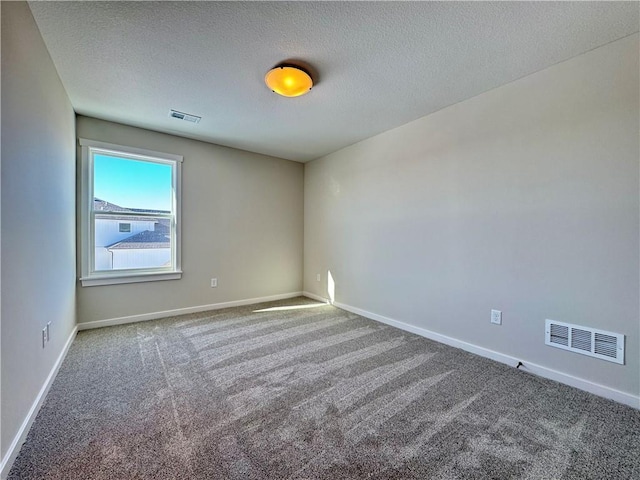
(89,276)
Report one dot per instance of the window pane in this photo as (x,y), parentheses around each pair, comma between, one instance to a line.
(127,242)
(132,184)
(147,244)
(130,215)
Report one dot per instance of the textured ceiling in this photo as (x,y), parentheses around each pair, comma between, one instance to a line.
(379,65)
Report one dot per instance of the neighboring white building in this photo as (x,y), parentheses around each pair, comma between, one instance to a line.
(129,241)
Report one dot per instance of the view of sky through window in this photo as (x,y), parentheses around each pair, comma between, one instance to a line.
(132,183)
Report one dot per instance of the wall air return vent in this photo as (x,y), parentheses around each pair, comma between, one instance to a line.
(184,116)
(588,341)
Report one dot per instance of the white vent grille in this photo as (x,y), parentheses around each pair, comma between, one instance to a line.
(581,339)
(184,116)
(588,341)
(559,334)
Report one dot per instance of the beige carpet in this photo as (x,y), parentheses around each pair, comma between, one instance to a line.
(300,390)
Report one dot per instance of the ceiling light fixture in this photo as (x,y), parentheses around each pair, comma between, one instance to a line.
(288,81)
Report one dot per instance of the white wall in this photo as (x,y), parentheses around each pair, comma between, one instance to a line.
(242,222)
(522,199)
(137,257)
(38,216)
(107,231)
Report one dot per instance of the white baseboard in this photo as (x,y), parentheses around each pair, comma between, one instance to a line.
(581,383)
(182,311)
(313,296)
(21,435)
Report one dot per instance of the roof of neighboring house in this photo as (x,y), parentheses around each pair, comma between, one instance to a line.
(143,240)
(100,205)
(103,205)
(145,210)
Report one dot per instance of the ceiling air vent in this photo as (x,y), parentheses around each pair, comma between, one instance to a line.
(185,116)
(588,341)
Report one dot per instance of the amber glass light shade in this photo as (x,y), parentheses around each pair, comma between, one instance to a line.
(288,81)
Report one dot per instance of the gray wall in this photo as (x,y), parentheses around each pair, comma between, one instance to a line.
(522,199)
(38,215)
(242,222)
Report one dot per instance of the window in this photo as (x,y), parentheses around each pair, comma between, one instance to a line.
(130,214)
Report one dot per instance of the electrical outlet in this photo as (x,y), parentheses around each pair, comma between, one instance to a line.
(318,277)
(44,336)
(496,317)
(48,331)
(214,282)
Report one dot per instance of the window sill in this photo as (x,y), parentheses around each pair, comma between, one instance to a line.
(115,279)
